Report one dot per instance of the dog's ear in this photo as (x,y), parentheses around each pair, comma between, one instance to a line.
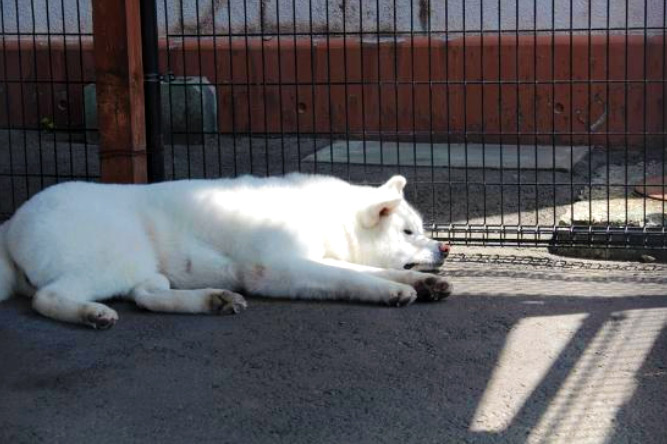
(395,184)
(389,196)
(371,215)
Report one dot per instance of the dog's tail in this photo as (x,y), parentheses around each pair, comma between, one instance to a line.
(7,269)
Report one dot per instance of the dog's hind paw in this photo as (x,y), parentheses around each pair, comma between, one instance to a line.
(226,302)
(433,288)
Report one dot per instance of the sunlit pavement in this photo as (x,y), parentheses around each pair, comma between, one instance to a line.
(587,359)
(523,351)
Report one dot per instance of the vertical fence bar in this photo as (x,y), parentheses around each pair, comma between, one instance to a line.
(8,106)
(38,106)
(153,99)
(170,60)
(345,91)
(589,112)
(448,113)
(431,112)
(67,84)
(397,118)
(51,90)
(248,82)
(380,85)
(120,91)
(205,132)
(23,95)
(315,130)
(330,94)
(626,129)
(280,89)
(608,100)
(482,107)
(297,87)
(364,128)
(554,135)
(645,117)
(264,95)
(232,90)
(501,137)
(519,111)
(86,147)
(570,84)
(183,84)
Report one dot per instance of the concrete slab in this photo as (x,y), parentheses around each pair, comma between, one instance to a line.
(611,198)
(455,155)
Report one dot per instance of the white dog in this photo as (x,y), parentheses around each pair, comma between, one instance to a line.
(190,246)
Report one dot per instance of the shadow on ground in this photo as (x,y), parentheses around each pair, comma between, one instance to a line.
(515,355)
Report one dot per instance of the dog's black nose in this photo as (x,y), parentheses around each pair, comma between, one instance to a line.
(444,249)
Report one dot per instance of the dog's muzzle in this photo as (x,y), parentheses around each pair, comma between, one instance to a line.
(443,250)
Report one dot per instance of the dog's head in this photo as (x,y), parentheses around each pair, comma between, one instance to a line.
(390,232)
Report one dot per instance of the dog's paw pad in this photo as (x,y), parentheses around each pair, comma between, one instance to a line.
(101,319)
(433,289)
(226,302)
(402,297)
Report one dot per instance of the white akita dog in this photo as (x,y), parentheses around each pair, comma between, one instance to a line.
(191,246)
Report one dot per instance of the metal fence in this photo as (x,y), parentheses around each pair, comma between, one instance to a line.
(45,67)
(515,122)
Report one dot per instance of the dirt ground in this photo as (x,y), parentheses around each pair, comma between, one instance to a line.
(530,348)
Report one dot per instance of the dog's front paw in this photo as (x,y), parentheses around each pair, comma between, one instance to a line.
(432,288)
(226,302)
(401,296)
(100,317)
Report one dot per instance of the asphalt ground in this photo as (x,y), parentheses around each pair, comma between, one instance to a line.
(527,349)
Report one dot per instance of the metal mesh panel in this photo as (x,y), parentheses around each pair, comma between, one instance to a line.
(46,64)
(515,122)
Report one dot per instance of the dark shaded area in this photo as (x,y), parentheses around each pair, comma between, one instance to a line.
(651,383)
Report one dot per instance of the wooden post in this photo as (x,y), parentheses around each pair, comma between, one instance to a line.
(120,90)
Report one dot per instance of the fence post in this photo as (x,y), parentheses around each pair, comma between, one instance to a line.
(120,90)
(153,106)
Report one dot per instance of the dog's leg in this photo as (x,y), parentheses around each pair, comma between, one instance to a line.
(155,294)
(429,287)
(194,266)
(59,301)
(306,279)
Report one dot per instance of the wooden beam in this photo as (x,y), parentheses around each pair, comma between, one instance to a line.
(120,90)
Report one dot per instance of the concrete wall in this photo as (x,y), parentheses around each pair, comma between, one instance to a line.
(74,16)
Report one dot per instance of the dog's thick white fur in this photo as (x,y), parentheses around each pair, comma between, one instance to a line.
(192,246)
